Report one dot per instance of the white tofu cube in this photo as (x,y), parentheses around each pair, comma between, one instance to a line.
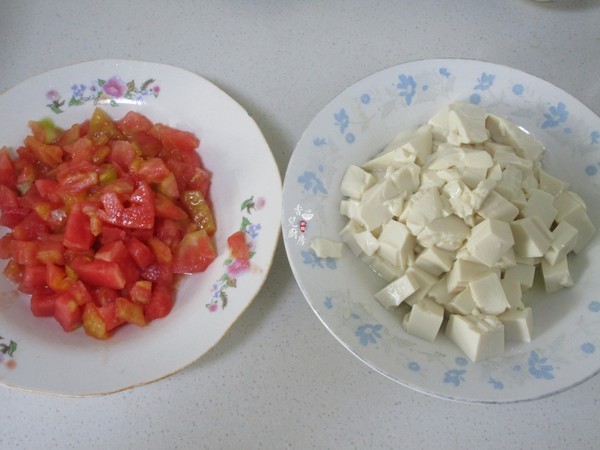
(397,291)
(423,207)
(348,235)
(513,292)
(551,184)
(439,292)
(522,272)
(506,132)
(564,239)
(557,275)
(462,303)
(466,124)
(425,281)
(488,294)
(541,204)
(367,243)
(406,178)
(372,211)
(518,324)
(396,243)
(579,219)
(424,320)
(566,202)
(532,237)
(386,270)
(355,182)
(462,272)
(326,248)
(479,337)
(489,241)
(435,260)
(497,207)
(350,208)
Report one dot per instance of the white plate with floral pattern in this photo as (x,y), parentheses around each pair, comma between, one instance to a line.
(35,354)
(355,126)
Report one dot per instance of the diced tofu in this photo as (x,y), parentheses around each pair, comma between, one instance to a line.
(424,320)
(396,243)
(532,237)
(479,337)
(372,211)
(425,281)
(406,178)
(489,241)
(525,273)
(367,242)
(422,208)
(355,182)
(541,204)
(386,270)
(497,207)
(439,292)
(566,202)
(513,292)
(348,235)
(462,272)
(447,233)
(579,219)
(505,132)
(466,124)
(488,294)
(551,184)
(462,303)
(435,261)
(350,208)
(518,324)
(564,239)
(397,291)
(325,248)
(557,276)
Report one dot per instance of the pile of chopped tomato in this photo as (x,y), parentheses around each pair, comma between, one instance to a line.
(104,217)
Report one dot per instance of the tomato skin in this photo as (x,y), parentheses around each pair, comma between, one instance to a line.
(194,253)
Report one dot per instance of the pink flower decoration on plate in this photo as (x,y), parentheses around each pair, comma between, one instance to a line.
(114,87)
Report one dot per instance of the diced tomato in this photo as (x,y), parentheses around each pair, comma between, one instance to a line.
(103,295)
(78,234)
(174,139)
(160,305)
(130,312)
(104,218)
(167,209)
(8,176)
(141,292)
(48,154)
(141,254)
(34,279)
(199,209)
(101,273)
(67,312)
(194,254)
(93,323)
(132,123)
(238,246)
(42,305)
(139,215)
(108,313)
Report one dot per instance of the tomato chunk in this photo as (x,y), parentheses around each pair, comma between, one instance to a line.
(194,254)
(101,273)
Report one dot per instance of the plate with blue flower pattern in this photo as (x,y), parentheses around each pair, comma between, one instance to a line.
(355,126)
(35,353)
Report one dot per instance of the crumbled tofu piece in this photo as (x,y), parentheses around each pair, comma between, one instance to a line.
(497,207)
(447,233)
(479,337)
(466,124)
(325,248)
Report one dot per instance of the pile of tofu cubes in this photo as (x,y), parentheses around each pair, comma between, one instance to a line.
(457,215)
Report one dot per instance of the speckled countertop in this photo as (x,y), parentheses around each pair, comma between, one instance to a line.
(278,379)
